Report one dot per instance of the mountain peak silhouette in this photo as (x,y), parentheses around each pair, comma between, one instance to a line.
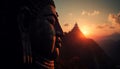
(79,52)
(76,32)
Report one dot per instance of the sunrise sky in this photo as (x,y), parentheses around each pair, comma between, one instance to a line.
(94,17)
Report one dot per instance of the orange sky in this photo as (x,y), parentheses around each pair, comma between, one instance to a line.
(94,17)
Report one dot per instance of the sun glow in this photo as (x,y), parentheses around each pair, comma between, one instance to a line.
(86,31)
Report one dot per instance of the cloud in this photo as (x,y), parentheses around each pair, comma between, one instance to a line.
(66,24)
(103,26)
(114,18)
(112,27)
(93,13)
(70,14)
(100,27)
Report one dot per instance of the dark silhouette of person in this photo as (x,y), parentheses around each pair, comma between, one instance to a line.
(30,34)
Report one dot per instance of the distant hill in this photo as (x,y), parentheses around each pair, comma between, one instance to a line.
(79,52)
(112,48)
(114,36)
(111,45)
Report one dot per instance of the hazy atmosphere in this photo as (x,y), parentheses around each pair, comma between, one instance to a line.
(82,34)
(96,18)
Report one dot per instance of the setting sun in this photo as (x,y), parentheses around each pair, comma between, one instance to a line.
(86,31)
(100,19)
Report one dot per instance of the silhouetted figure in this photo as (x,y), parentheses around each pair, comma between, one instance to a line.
(31,33)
